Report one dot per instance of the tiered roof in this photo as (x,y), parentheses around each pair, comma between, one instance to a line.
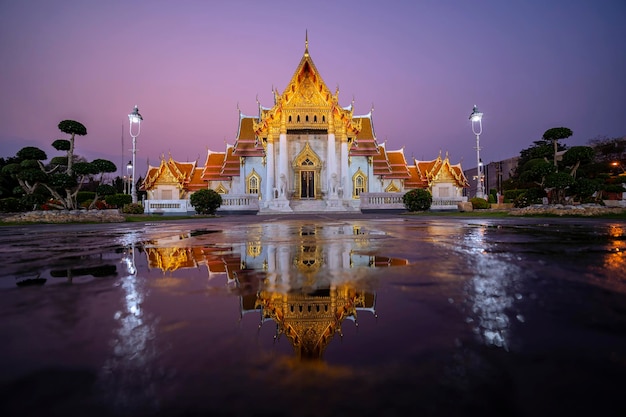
(397,163)
(213,167)
(425,173)
(186,174)
(247,143)
(365,143)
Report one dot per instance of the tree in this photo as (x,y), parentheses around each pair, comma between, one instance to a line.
(206,201)
(73,128)
(64,176)
(554,135)
(577,155)
(27,169)
(559,181)
(535,171)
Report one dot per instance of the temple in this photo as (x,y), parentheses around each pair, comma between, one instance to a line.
(304,153)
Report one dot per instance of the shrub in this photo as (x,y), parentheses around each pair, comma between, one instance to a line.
(417,200)
(118,200)
(12,205)
(535,195)
(132,208)
(30,201)
(613,188)
(206,201)
(479,203)
(99,205)
(83,196)
(511,195)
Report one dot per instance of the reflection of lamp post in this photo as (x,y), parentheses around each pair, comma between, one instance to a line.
(129,168)
(134,118)
(477,127)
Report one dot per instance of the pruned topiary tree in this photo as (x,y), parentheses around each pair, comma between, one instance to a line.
(554,135)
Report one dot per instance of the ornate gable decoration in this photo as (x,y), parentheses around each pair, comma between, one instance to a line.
(440,170)
(169,172)
(306,103)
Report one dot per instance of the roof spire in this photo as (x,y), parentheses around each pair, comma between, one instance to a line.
(306,42)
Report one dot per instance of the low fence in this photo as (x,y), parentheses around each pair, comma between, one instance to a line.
(393,201)
(230,203)
(167,206)
(381,201)
(450,203)
(248,203)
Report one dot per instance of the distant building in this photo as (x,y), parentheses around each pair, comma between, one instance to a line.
(495,173)
(305,153)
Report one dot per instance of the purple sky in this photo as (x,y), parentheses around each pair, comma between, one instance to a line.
(528,65)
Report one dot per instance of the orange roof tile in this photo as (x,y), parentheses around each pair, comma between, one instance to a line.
(213,167)
(365,142)
(231,164)
(415,180)
(196,181)
(247,143)
(381,164)
(397,164)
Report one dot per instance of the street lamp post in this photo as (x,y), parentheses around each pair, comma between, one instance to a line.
(477,127)
(129,169)
(135,119)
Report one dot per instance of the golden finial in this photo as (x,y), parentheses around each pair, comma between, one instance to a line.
(306,42)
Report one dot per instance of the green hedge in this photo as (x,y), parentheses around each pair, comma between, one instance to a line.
(479,203)
(118,200)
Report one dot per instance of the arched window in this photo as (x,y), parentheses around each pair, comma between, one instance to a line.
(315,118)
(289,118)
(298,120)
(253,183)
(306,118)
(359,182)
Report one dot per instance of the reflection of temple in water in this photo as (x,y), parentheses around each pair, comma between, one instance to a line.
(306,279)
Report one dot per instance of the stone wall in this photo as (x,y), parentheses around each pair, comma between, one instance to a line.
(65,216)
(566,210)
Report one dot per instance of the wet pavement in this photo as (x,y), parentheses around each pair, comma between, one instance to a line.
(314,315)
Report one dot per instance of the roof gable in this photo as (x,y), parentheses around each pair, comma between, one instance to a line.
(306,103)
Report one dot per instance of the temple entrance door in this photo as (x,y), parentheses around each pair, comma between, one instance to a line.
(307,184)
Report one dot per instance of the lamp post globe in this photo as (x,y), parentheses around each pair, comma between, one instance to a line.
(135,120)
(476,118)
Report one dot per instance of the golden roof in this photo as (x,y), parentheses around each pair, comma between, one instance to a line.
(425,173)
(183,174)
(306,103)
